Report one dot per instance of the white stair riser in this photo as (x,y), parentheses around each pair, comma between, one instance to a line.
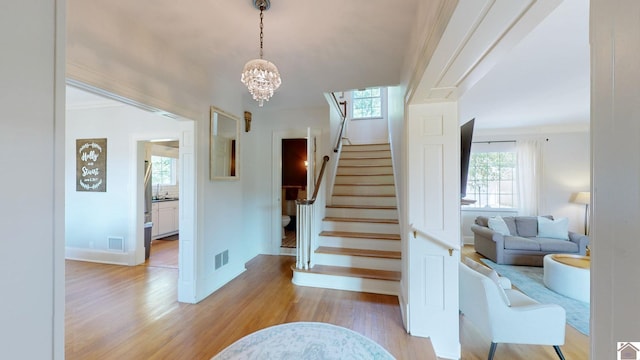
(361,227)
(362,262)
(365,170)
(337,282)
(357,243)
(370,147)
(364,179)
(364,189)
(358,161)
(362,213)
(364,200)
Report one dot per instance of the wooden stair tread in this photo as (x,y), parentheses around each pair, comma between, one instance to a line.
(362,220)
(366,184)
(375,195)
(353,157)
(353,272)
(361,235)
(363,207)
(364,175)
(359,252)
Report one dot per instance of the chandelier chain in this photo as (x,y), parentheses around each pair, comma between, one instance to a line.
(261,76)
(261,27)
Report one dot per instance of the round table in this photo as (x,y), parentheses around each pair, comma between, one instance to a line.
(568,275)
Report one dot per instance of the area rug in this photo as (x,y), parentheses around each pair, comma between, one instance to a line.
(529,280)
(304,341)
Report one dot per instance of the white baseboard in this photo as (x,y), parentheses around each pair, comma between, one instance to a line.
(99,256)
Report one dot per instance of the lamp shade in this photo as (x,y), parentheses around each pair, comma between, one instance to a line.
(583,197)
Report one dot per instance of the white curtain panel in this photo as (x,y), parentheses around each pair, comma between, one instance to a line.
(528,175)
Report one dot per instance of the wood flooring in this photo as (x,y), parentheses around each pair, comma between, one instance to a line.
(121,312)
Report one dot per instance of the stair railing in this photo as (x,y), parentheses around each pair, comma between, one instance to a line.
(342,108)
(305,224)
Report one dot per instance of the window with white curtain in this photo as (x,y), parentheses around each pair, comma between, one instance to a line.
(492,177)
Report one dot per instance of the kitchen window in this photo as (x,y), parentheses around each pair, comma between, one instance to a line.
(163,170)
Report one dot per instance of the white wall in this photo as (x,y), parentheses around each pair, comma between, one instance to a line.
(260,204)
(101,56)
(565,171)
(92,217)
(32,208)
(615,140)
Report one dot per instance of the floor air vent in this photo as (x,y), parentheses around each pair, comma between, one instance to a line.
(116,243)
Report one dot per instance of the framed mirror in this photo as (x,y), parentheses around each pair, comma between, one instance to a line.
(224,145)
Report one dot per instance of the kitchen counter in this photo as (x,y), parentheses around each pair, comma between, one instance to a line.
(165,199)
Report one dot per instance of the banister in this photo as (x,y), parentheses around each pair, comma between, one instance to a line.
(343,114)
(325,160)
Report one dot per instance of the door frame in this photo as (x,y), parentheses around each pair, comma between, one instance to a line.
(276,181)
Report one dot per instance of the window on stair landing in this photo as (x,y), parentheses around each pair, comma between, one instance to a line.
(492,175)
(366,103)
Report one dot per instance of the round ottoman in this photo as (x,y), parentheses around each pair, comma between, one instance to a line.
(568,275)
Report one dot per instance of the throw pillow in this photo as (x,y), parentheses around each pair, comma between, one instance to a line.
(491,274)
(498,225)
(554,229)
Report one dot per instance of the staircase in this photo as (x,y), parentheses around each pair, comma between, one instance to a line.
(359,247)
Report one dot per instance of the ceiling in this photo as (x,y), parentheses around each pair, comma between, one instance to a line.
(337,45)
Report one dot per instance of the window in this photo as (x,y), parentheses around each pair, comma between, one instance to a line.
(366,104)
(492,176)
(163,170)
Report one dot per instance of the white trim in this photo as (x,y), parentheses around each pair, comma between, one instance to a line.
(276,181)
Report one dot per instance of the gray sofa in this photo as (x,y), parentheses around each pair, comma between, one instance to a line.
(524,247)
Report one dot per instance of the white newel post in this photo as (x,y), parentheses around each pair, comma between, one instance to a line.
(304,222)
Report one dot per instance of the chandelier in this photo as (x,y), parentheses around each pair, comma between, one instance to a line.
(261,76)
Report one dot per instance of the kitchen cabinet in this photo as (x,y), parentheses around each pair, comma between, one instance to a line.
(165,215)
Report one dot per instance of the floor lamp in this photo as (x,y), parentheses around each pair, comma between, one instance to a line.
(583,197)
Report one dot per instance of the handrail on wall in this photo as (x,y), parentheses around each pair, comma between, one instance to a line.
(444,244)
(343,114)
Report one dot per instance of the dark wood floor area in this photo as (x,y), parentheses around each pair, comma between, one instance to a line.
(120,312)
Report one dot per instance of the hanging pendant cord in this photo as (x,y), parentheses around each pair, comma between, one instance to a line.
(261,27)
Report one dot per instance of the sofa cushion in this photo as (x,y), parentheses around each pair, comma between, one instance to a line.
(511,224)
(555,245)
(482,221)
(554,229)
(521,243)
(527,226)
(498,225)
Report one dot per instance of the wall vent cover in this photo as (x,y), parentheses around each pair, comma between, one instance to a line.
(116,243)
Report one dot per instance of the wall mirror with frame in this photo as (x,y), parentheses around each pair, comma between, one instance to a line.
(224,143)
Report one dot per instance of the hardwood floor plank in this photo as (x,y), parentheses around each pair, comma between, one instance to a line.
(120,312)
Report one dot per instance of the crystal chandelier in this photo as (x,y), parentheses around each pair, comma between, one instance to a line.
(261,76)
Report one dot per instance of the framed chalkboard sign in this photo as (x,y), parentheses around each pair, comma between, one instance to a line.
(91,165)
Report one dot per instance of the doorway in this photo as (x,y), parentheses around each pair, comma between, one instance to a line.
(162,203)
(128,125)
(279,196)
(294,186)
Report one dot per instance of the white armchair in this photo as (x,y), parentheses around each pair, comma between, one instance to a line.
(524,321)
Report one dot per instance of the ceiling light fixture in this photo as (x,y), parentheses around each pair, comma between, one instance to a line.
(261,76)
